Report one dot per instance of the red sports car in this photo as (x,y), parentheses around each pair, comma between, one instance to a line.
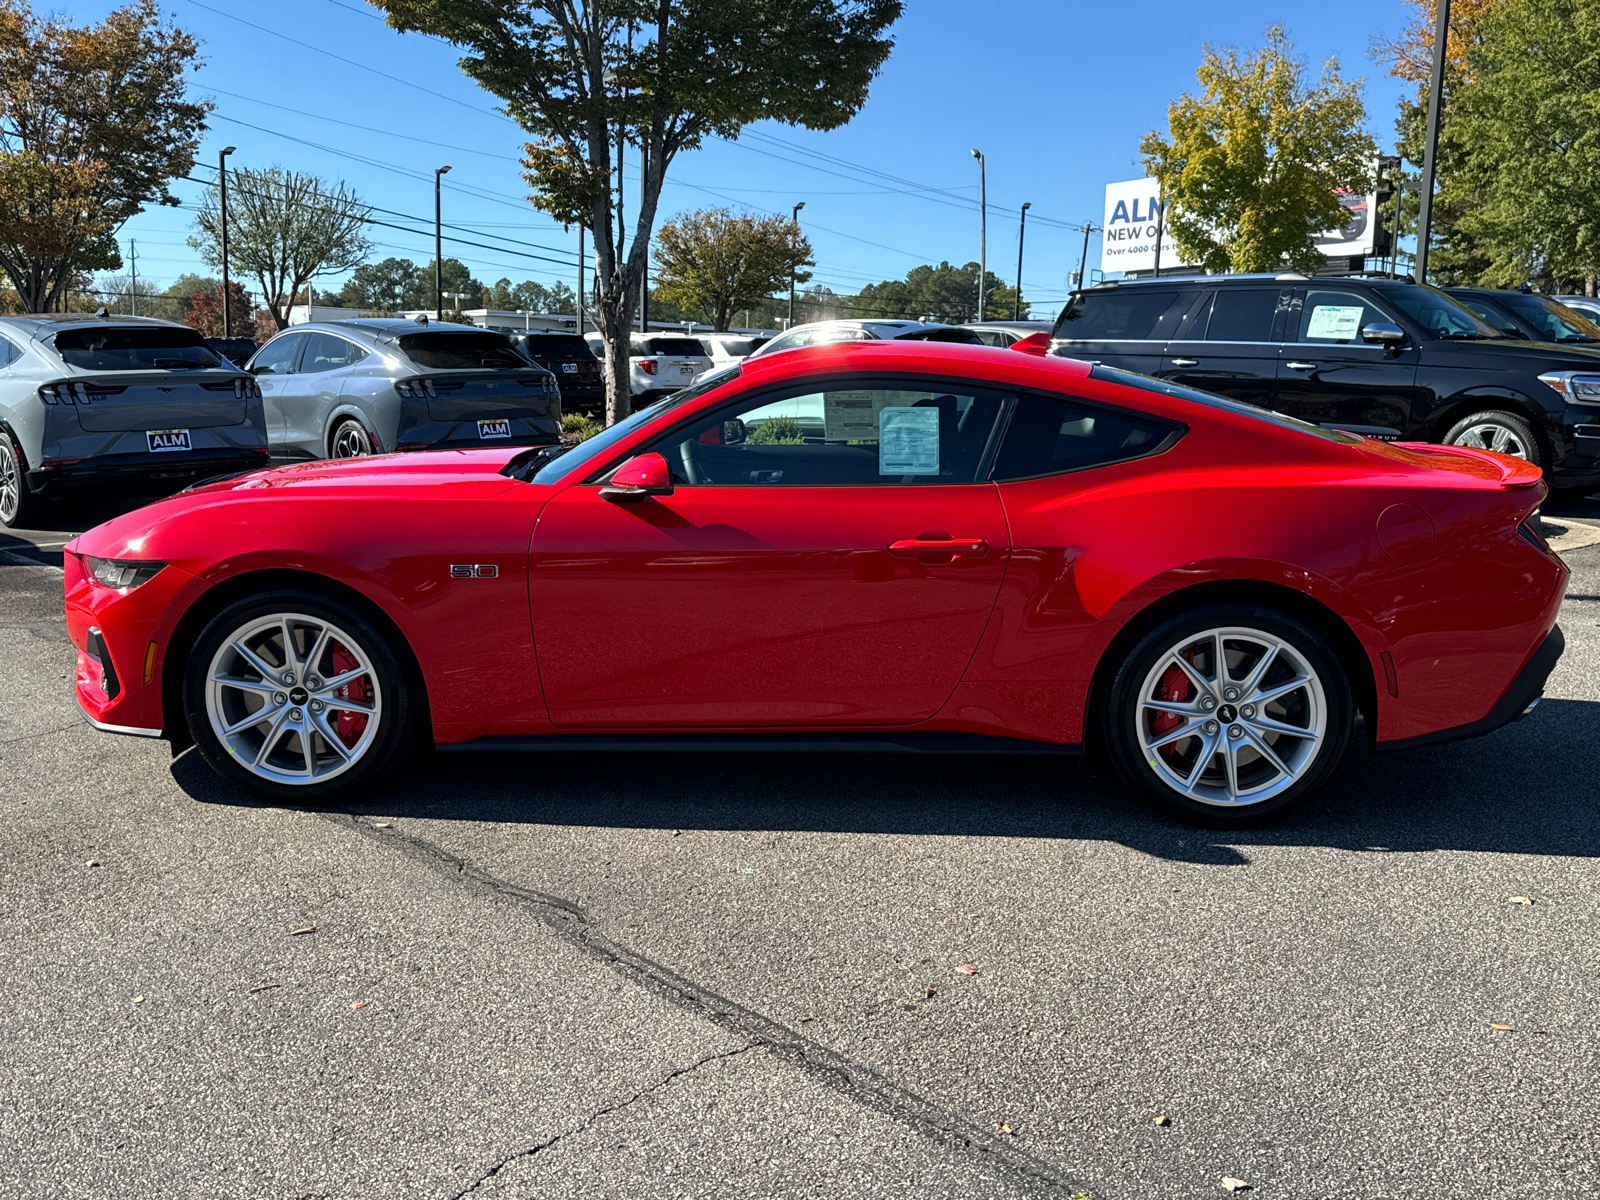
(878,545)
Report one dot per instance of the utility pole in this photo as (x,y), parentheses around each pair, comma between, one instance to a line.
(580,281)
(133,286)
(1430,155)
(644,272)
(438,247)
(1083,263)
(794,221)
(1022,230)
(1161,212)
(983,227)
(222,185)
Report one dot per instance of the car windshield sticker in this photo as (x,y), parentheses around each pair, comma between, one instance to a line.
(908,441)
(1335,322)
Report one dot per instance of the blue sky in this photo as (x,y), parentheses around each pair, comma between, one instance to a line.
(1055,94)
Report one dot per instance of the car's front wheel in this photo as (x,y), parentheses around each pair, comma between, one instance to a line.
(1502,432)
(1230,715)
(297,698)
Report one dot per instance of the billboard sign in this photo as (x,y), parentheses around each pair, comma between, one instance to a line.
(1129,241)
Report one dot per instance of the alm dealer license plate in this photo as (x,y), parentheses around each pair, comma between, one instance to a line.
(167,439)
(494,429)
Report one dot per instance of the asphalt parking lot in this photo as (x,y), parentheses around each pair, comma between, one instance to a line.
(737,975)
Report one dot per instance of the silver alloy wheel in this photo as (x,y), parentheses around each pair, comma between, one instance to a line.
(279,689)
(11,484)
(350,440)
(1491,435)
(1232,716)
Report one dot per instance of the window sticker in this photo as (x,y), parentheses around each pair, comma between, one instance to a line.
(908,441)
(851,416)
(1335,322)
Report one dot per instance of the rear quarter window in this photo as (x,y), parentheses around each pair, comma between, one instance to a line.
(1051,435)
(1122,314)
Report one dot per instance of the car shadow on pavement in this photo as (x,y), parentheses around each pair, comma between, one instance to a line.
(1510,792)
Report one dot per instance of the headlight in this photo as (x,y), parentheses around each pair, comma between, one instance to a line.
(122,573)
(1574,386)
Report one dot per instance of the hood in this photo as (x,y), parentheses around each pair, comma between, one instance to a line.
(1549,355)
(431,468)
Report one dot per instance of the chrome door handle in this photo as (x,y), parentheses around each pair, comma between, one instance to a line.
(1299,366)
(1186,362)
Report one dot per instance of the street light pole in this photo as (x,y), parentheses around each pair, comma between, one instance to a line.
(438,248)
(580,280)
(983,227)
(1430,155)
(1022,231)
(794,222)
(222,184)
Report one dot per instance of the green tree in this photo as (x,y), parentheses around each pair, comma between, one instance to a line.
(455,276)
(583,77)
(1528,122)
(286,229)
(715,261)
(1250,174)
(381,286)
(93,124)
(944,293)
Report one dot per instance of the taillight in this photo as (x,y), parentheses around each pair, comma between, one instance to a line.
(647,365)
(50,393)
(415,389)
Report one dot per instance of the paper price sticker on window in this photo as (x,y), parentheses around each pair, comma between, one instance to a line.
(908,441)
(1335,322)
(851,416)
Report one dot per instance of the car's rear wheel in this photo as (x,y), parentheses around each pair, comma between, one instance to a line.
(1229,716)
(19,507)
(1502,432)
(351,440)
(297,698)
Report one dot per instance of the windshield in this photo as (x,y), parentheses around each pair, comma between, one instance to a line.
(129,349)
(1439,314)
(1555,322)
(551,466)
(1128,378)
(551,345)
(449,351)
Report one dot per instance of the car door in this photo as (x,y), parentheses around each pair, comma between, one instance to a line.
(1230,345)
(803,571)
(313,391)
(273,366)
(1327,375)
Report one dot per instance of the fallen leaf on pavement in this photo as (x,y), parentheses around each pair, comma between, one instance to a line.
(806,1020)
(1002,1127)
(265,987)
(1501,1027)
(1235,1185)
(303,929)
(1521,900)
(929,994)
(380,824)
(1163,1121)
(355,1004)
(138,999)
(94,862)
(967,970)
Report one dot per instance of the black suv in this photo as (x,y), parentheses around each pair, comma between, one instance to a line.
(572,361)
(1383,357)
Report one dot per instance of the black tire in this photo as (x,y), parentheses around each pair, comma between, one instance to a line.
(1324,703)
(393,692)
(350,439)
(1494,428)
(20,508)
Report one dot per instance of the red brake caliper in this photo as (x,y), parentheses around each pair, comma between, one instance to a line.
(1174,685)
(349,725)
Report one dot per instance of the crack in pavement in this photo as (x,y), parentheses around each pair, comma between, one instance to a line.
(604,1112)
(861,1084)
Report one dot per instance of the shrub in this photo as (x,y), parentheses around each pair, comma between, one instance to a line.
(776,431)
(575,427)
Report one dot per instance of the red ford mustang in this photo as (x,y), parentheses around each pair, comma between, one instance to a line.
(872,545)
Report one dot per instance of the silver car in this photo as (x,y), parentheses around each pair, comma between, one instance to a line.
(339,389)
(127,404)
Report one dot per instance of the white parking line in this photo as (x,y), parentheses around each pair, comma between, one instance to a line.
(1572,534)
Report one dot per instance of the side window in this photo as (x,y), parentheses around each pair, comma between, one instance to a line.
(8,353)
(1336,318)
(1240,315)
(277,356)
(1498,319)
(1123,314)
(910,431)
(1050,435)
(324,352)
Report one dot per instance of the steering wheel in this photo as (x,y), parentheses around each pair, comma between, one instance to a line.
(691,462)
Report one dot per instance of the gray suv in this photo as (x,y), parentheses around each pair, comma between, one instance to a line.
(127,404)
(339,389)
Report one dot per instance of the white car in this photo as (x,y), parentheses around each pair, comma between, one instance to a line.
(728,348)
(658,363)
(1007,333)
(816,333)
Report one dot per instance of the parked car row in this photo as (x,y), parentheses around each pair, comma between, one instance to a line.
(1391,359)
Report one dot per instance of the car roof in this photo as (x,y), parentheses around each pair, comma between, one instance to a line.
(1008,326)
(383,328)
(42,325)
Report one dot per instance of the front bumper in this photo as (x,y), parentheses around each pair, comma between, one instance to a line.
(1523,693)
